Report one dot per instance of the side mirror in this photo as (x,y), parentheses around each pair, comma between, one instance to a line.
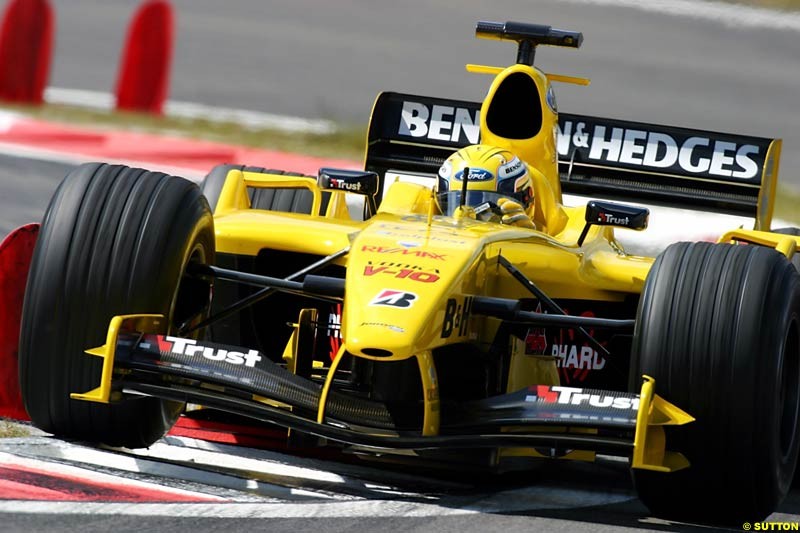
(617,215)
(354,181)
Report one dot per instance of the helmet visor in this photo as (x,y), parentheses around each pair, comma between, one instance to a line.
(485,202)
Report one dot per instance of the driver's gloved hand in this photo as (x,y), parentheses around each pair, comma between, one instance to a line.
(514,215)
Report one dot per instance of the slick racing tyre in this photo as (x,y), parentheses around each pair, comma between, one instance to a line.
(287,200)
(793,232)
(114,240)
(243,328)
(718,327)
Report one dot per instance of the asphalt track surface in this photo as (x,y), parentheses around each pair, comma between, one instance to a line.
(322,59)
(328,60)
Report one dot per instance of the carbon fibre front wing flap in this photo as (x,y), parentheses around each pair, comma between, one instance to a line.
(243,381)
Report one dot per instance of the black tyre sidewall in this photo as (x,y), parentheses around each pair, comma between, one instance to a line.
(289,200)
(243,327)
(794,232)
(114,240)
(212,184)
(711,329)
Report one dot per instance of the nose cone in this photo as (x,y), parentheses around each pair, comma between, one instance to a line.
(398,279)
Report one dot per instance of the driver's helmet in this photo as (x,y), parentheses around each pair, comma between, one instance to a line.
(493,173)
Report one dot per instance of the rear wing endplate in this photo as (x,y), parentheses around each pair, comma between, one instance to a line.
(598,157)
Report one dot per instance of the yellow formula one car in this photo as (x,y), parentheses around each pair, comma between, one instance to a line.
(459,313)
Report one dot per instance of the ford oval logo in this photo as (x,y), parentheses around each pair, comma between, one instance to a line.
(475,174)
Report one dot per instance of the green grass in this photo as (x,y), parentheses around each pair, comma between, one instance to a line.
(9,429)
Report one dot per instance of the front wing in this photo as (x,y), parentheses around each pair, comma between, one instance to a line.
(139,359)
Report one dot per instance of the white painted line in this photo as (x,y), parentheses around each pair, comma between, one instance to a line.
(248,119)
(191,110)
(81,98)
(281,469)
(348,470)
(234,473)
(163,451)
(135,465)
(731,15)
(289,504)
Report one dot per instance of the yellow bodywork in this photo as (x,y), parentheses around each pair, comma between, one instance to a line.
(653,413)
(538,151)
(785,244)
(410,248)
(411,273)
(649,442)
(141,323)
(769,186)
(486,69)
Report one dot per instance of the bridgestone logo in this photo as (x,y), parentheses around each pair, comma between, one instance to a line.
(392,298)
(190,348)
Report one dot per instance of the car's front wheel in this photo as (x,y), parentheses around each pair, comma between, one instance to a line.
(718,327)
(114,240)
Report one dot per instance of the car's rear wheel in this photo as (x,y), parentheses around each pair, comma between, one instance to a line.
(718,327)
(114,240)
(287,200)
(245,327)
(794,232)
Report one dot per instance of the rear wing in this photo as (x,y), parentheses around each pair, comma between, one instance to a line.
(614,159)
